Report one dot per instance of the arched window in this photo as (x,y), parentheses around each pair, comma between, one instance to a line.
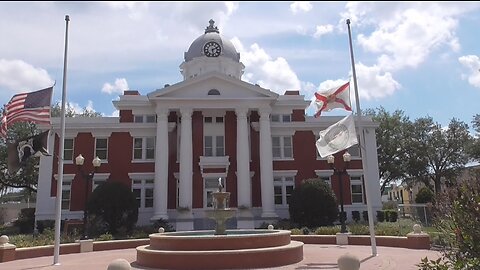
(213,92)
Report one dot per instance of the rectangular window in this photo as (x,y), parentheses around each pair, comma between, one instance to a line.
(137,148)
(66,192)
(286,118)
(144,148)
(282,147)
(287,147)
(283,188)
(150,148)
(357,189)
(326,179)
(211,185)
(97,183)
(220,148)
(214,146)
(276,147)
(101,148)
(68,149)
(208,119)
(208,144)
(143,192)
(137,193)
(219,119)
(138,119)
(151,118)
(354,151)
(281,118)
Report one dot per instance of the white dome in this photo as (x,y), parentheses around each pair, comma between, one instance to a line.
(212,34)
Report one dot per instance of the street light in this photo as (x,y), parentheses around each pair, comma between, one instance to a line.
(79,160)
(340,171)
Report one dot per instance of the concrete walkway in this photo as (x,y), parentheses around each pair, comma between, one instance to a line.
(314,257)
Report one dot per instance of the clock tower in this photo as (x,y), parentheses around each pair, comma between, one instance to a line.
(211,52)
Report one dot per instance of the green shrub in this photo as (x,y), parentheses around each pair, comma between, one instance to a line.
(296,231)
(380,216)
(399,228)
(9,230)
(330,230)
(356,216)
(457,215)
(164,224)
(392,216)
(114,204)
(313,204)
(365,216)
(104,237)
(305,230)
(285,224)
(43,239)
(425,195)
(26,220)
(358,229)
(45,224)
(389,205)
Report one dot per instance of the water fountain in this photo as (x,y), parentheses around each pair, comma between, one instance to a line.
(221,248)
(221,212)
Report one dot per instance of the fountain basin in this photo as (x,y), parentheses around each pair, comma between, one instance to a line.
(238,249)
(206,240)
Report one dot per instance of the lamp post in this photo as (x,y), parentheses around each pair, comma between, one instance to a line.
(340,171)
(79,160)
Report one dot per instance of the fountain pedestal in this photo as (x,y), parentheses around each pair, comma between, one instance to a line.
(221,212)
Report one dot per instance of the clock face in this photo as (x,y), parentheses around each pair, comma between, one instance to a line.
(212,49)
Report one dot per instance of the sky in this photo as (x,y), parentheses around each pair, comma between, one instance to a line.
(419,57)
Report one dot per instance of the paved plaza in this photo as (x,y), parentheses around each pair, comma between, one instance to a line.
(315,257)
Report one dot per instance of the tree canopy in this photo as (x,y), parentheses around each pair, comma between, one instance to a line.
(420,150)
(26,178)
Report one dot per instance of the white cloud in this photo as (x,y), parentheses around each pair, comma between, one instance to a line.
(261,68)
(405,34)
(119,86)
(18,76)
(472,62)
(374,83)
(302,6)
(322,30)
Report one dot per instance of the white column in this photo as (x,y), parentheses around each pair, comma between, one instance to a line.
(45,207)
(243,160)
(161,167)
(186,159)
(372,187)
(266,165)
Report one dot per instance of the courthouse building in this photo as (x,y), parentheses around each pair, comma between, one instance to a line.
(171,145)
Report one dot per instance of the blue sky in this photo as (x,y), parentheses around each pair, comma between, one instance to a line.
(419,57)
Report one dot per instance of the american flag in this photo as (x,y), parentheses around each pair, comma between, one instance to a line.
(27,107)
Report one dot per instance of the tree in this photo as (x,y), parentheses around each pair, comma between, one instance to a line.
(425,195)
(313,204)
(391,141)
(435,153)
(474,149)
(56,111)
(26,177)
(116,205)
(457,219)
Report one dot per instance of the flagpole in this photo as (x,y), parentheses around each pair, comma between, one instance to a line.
(363,155)
(58,202)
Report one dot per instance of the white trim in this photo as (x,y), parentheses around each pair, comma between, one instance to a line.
(101,133)
(280,173)
(141,176)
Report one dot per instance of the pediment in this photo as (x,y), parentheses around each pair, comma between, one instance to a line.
(199,88)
